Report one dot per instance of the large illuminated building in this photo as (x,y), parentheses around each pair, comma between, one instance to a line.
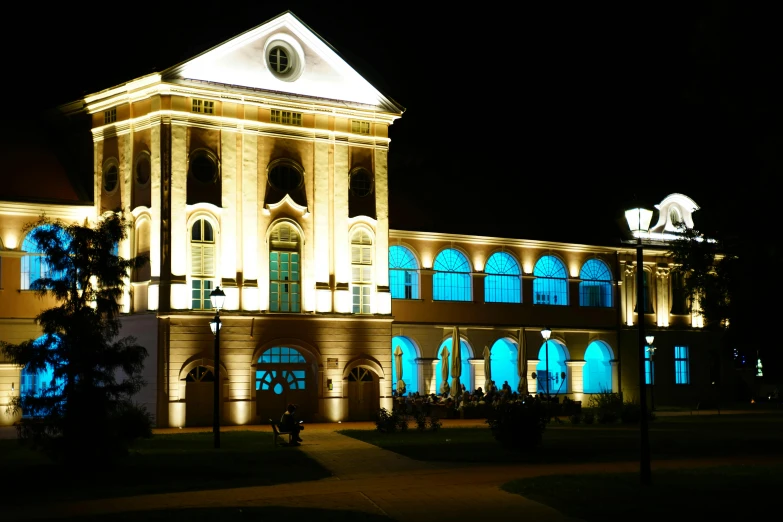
(261,167)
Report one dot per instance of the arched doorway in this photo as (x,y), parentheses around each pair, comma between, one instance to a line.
(597,375)
(199,396)
(283,376)
(363,394)
(558,371)
(504,363)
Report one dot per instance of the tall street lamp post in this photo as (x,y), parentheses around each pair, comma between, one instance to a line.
(639,223)
(651,350)
(217,297)
(546,333)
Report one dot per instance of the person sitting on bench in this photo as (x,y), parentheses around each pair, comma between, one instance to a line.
(288,423)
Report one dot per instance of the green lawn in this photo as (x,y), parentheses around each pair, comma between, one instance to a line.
(721,493)
(162,464)
(670,438)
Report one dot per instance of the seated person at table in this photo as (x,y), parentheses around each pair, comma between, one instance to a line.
(289,423)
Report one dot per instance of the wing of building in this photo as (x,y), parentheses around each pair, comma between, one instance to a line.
(261,167)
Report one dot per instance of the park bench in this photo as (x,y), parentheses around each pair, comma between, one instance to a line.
(278,433)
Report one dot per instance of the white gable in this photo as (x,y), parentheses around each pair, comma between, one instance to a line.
(242,61)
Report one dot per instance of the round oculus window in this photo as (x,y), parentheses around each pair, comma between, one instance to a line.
(285,178)
(203,168)
(143,169)
(279,60)
(110,179)
(284,57)
(361,183)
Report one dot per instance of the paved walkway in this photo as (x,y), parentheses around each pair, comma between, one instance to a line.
(368,479)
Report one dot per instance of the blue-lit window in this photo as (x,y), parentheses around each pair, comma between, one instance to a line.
(595,289)
(43,382)
(597,371)
(269,380)
(202,264)
(682,368)
(649,367)
(278,380)
(451,281)
(502,283)
(281,355)
(403,273)
(34,265)
(550,286)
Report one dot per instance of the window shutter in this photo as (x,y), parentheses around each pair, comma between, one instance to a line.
(209,259)
(196,252)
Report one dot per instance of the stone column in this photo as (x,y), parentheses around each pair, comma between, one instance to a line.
(576,381)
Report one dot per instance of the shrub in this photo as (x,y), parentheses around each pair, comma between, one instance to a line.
(518,425)
(421,420)
(589,417)
(387,421)
(607,406)
(575,419)
(631,413)
(435,424)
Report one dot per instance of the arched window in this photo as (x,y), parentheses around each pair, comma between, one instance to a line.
(409,366)
(504,363)
(647,294)
(403,273)
(142,249)
(502,283)
(550,286)
(679,293)
(451,281)
(596,286)
(465,355)
(597,372)
(40,383)
(284,269)
(361,271)
(202,264)
(291,375)
(34,265)
(558,370)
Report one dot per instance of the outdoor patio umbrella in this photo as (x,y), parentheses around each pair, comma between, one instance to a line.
(398,369)
(487,368)
(456,363)
(444,369)
(522,363)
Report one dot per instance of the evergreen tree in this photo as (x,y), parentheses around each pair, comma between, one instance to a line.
(85,410)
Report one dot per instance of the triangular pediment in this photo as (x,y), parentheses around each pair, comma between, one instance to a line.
(315,69)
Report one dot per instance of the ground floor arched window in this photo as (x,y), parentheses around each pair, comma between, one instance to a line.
(597,373)
(504,364)
(557,376)
(409,368)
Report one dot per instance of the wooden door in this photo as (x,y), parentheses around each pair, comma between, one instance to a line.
(363,395)
(199,397)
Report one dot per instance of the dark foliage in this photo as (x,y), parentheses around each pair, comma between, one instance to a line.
(85,414)
(518,425)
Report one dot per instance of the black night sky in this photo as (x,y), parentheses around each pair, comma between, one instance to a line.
(548,119)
